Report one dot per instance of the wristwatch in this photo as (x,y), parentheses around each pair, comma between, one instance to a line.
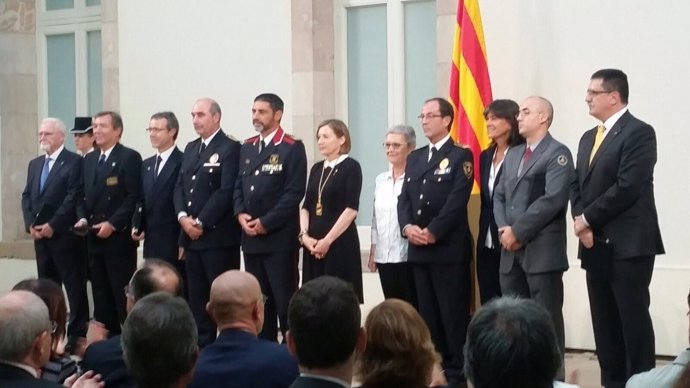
(198,222)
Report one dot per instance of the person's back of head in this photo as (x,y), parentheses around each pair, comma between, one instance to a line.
(25,329)
(399,350)
(159,341)
(511,343)
(236,301)
(51,294)
(324,320)
(154,275)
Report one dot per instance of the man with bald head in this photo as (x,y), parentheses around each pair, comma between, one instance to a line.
(49,200)
(210,235)
(238,358)
(530,205)
(25,340)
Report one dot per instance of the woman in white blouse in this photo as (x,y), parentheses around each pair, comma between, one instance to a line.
(388,251)
(502,128)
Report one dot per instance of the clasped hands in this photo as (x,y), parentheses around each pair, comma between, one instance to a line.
(508,239)
(318,248)
(583,232)
(103,229)
(41,231)
(191,227)
(418,236)
(252,227)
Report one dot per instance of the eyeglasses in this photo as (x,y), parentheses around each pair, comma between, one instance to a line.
(429,116)
(153,129)
(394,146)
(593,93)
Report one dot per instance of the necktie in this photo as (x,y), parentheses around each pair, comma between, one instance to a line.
(44,173)
(262,145)
(597,141)
(432,153)
(525,159)
(101,161)
(156,171)
(203,147)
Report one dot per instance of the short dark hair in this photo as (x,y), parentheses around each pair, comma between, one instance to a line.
(614,80)
(445,108)
(171,119)
(518,335)
(340,130)
(507,110)
(159,340)
(51,294)
(273,100)
(143,283)
(115,118)
(324,320)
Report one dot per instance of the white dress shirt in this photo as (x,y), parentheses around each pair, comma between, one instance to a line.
(385,229)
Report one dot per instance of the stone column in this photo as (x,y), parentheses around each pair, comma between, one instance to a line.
(110,53)
(18,115)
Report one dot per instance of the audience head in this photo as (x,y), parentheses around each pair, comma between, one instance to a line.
(51,294)
(501,122)
(236,301)
(399,350)
(153,276)
(333,138)
(159,341)
(324,320)
(511,343)
(25,329)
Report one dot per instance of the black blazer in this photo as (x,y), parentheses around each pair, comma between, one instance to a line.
(57,202)
(270,186)
(13,377)
(616,191)
(204,190)
(158,216)
(487,222)
(435,195)
(111,195)
(105,357)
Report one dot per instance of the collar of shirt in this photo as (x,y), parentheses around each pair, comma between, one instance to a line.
(611,121)
(210,138)
(335,162)
(440,143)
(25,367)
(389,175)
(55,154)
(534,145)
(327,378)
(108,151)
(269,138)
(166,154)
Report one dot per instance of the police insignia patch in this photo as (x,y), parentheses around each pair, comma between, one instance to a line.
(468,169)
(562,160)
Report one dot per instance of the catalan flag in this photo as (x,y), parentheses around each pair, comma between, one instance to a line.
(470,87)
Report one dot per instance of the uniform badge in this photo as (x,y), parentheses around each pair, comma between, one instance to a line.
(468,169)
(273,166)
(111,181)
(246,161)
(212,161)
(562,160)
(273,159)
(443,164)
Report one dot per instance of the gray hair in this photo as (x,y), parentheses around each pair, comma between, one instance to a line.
(407,131)
(23,317)
(59,124)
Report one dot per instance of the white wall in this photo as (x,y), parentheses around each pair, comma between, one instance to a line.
(551,48)
(175,51)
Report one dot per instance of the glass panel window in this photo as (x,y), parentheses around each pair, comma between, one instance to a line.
(61,80)
(54,5)
(420,59)
(93,3)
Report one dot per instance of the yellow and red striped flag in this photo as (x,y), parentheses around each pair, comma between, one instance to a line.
(470,86)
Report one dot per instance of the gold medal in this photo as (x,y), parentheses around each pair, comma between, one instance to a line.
(319,209)
(443,164)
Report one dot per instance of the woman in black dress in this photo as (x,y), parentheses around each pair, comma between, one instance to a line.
(502,128)
(327,219)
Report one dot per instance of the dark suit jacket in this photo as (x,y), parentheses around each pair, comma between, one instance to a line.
(487,223)
(240,359)
(616,191)
(435,195)
(312,382)
(204,190)
(158,216)
(13,377)
(534,204)
(57,202)
(110,194)
(270,186)
(105,357)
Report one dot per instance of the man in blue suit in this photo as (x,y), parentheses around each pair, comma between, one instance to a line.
(238,358)
(155,220)
(49,202)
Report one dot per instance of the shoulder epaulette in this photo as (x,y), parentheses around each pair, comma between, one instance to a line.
(231,137)
(251,139)
(290,139)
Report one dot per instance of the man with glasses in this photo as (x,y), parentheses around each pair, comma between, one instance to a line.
(237,307)
(616,222)
(432,212)
(155,220)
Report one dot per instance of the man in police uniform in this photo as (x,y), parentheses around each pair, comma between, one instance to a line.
(210,235)
(270,186)
(432,211)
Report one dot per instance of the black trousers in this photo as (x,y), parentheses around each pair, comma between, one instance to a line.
(203,267)
(443,294)
(110,273)
(397,281)
(488,261)
(68,268)
(623,331)
(278,276)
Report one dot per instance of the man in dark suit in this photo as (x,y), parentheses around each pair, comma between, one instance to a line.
(432,211)
(616,222)
(112,186)
(269,189)
(210,233)
(325,333)
(155,220)
(105,357)
(530,205)
(49,200)
(83,135)
(238,358)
